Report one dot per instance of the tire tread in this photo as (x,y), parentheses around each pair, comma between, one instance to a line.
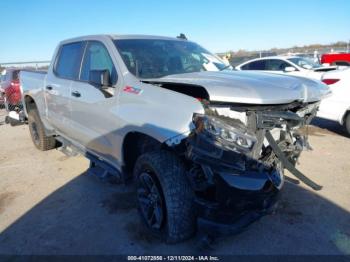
(46,142)
(178,194)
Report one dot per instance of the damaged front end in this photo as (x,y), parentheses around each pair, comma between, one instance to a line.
(238,154)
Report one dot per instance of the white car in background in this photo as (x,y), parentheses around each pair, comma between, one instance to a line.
(337,106)
(293,65)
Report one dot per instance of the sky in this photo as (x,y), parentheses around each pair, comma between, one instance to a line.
(31,29)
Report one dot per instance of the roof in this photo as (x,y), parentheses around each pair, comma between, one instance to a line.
(278,57)
(116,36)
(145,37)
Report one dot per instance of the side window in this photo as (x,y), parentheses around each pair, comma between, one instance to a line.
(276,65)
(68,62)
(97,58)
(256,65)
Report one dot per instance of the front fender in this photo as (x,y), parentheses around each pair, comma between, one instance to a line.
(160,113)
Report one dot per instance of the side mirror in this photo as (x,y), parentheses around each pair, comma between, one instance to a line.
(288,69)
(100,78)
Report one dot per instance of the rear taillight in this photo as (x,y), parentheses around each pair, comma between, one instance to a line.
(330,81)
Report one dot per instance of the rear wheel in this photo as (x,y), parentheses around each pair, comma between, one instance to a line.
(165,197)
(37,132)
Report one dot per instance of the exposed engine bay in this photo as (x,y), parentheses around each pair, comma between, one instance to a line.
(260,133)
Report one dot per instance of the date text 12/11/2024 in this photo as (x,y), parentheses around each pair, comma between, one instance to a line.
(173,258)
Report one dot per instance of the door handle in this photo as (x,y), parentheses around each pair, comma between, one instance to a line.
(49,88)
(76,94)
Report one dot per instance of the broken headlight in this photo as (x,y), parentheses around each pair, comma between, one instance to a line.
(227,135)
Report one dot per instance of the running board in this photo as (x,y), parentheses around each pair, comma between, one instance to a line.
(98,167)
(104,171)
(67,148)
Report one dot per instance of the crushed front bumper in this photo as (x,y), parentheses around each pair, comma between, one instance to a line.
(240,189)
(234,208)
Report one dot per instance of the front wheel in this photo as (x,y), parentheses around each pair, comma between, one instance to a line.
(164,195)
(37,132)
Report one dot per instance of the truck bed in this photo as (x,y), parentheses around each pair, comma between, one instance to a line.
(32,79)
(33,83)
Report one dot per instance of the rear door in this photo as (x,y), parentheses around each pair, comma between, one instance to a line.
(92,122)
(66,68)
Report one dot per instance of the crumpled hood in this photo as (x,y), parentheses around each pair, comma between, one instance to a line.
(252,87)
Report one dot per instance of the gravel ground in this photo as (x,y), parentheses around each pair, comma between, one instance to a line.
(50,205)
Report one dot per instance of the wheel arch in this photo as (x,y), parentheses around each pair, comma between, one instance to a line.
(136,143)
(29,103)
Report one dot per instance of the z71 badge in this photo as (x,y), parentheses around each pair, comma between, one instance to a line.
(132,90)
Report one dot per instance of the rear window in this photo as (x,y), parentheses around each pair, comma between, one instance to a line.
(69,60)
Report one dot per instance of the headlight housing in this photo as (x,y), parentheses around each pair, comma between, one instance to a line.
(226,135)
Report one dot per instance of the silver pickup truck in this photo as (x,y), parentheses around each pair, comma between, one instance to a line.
(206,145)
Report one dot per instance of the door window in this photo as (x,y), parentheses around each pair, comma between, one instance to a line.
(97,58)
(69,59)
(256,65)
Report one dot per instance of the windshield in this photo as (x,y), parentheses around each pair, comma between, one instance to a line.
(153,58)
(304,62)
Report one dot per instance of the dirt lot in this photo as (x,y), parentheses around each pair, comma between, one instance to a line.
(50,205)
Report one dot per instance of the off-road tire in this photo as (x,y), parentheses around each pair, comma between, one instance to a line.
(37,132)
(167,169)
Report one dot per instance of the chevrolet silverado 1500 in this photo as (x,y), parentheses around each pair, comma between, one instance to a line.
(206,145)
